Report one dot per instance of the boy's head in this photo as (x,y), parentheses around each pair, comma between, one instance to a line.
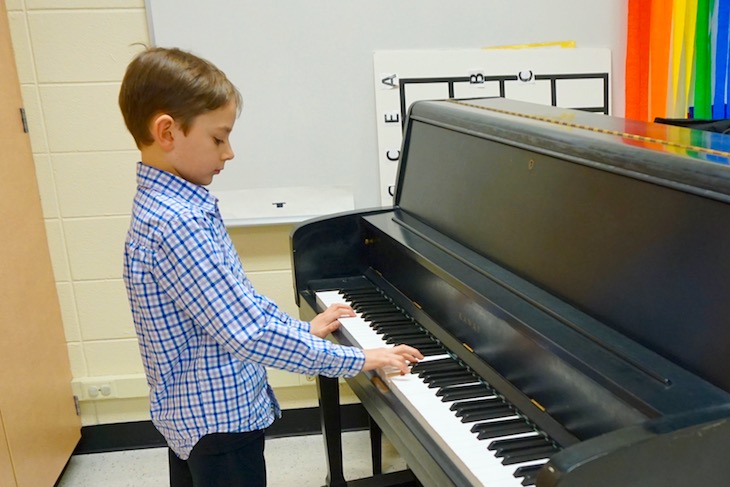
(174,82)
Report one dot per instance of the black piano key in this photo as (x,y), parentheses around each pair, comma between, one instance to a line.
(449,394)
(396,319)
(424,366)
(431,376)
(450,381)
(481,403)
(386,332)
(413,333)
(386,313)
(407,335)
(431,373)
(369,298)
(528,473)
(393,325)
(495,410)
(354,296)
(444,380)
(487,413)
(495,429)
(360,291)
(422,339)
(420,346)
(528,454)
(456,378)
(432,351)
(381,316)
(500,447)
(413,342)
(360,297)
(374,307)
(397,326)
(403,336)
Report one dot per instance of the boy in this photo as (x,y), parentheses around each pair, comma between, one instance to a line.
(204,333)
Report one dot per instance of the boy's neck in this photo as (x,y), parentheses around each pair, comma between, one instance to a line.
(153,155)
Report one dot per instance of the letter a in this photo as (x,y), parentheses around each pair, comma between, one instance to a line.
(389,81)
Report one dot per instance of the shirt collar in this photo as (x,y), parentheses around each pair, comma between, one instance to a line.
(170,185)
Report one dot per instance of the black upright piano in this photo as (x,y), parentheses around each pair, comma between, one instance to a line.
(567,275)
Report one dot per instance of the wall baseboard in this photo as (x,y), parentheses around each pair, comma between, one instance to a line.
(142,434)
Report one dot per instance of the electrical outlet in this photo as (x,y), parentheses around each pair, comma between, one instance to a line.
(96,391)
(100,388)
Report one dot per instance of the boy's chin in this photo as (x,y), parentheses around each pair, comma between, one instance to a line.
(205,182)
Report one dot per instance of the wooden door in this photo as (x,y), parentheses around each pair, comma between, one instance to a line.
(7,477)
(36,403)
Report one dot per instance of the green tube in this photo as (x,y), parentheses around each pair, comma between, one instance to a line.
(703,80)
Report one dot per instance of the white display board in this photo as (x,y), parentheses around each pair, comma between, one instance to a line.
(568,78)
(305,70)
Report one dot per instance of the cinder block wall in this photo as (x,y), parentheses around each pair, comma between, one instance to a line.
(71,56)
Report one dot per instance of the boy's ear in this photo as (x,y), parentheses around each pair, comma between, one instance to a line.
(162,129)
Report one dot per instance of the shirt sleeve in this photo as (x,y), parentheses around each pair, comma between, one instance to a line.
(192,268)
(271,308)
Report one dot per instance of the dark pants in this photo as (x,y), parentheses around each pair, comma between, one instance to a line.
(222,460)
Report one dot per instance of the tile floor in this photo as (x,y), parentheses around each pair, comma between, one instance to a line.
(292,461)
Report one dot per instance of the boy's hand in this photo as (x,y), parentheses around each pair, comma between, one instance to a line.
(400,357)
(328,321)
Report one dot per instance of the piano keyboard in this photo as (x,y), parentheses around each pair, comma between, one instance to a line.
(476,427)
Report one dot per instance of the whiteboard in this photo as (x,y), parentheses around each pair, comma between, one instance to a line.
(305,70)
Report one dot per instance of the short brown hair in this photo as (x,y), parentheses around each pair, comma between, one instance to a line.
(175,82)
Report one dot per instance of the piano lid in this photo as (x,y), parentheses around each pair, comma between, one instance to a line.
(661,153)
(626,221)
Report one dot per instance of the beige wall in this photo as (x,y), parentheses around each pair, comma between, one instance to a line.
(71,56)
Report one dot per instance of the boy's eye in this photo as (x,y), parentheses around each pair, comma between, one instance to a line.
(217,141)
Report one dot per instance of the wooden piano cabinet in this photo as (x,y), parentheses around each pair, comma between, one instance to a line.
(677,450)
(39,427)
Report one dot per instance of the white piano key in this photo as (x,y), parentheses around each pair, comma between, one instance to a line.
(455,437)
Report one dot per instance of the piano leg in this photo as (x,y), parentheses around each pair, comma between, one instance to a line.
(376,446)
(328,391)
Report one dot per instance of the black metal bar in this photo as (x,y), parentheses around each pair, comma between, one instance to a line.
(329,404)
(376,446)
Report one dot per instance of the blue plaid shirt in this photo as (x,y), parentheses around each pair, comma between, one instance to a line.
(204,333)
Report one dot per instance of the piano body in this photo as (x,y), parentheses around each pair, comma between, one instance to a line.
(571,267)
